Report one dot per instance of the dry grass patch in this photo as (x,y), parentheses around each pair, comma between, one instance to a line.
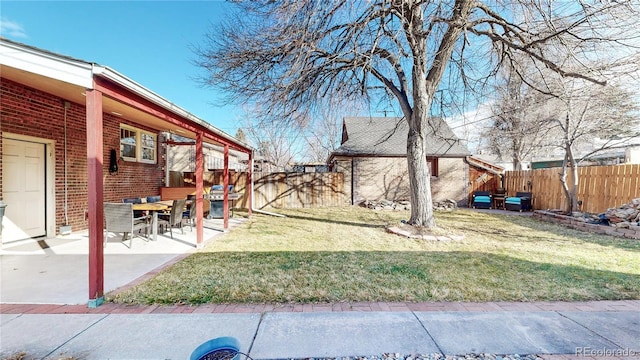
(345,254)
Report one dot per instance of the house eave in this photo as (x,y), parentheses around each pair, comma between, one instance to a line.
(125,82)
(32,60)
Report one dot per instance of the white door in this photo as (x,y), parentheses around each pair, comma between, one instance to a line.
(23,187)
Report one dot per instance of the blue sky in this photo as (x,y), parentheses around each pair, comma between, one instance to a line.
(147,41)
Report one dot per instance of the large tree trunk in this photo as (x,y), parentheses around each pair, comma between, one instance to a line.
(565,187)
(418,119)
(574,187)
(570,190)
(419,177)
(517,164)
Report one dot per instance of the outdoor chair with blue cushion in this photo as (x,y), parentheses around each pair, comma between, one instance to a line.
(132,200)
(481,200)
(152,199)
(136,213)
(520,202)
(221,187)
(190,215)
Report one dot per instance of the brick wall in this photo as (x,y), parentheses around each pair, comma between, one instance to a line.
(30,112)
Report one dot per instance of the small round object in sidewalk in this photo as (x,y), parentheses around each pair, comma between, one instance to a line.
(222,348)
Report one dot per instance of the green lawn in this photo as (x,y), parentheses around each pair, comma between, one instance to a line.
(345,254)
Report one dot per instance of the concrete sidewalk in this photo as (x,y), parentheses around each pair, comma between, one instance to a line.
(608,329)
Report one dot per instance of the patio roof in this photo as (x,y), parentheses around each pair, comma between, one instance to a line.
(69,78)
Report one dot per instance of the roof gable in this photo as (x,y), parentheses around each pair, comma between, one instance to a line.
(387,136)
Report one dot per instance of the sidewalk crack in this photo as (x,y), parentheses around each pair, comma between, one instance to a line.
(255,335)
(428,333)
(75,336)
(588,329)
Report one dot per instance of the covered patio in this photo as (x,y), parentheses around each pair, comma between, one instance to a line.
(78,114)
(54,270)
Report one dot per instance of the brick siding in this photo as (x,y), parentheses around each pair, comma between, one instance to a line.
(26,111)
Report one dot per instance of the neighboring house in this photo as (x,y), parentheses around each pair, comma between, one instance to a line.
(628,155)
(182,158)
(310,168)
(262,164)
(76,134)
(373,157)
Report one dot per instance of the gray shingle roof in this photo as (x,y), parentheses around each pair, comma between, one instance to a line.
(387,136)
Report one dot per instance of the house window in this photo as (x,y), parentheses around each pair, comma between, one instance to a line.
(147,147)
(433,163)
(137,145)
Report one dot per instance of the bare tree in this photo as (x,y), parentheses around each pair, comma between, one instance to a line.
(240,135)
(323,134)
(518,127)
(322,138)
(588,119)
(278,145)
(290,55)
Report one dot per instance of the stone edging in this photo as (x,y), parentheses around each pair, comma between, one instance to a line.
(633,232)
(431,306)
(431,237)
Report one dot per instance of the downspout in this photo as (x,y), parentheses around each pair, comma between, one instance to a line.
(353,202)
(166,164)
(67,105)
(253,198)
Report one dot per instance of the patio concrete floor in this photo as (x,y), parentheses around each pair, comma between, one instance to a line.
(56,270)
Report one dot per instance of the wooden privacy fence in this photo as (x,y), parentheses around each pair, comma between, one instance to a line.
(283,190)
(599,187)
(298,190)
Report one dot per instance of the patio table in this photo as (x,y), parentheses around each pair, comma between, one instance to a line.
(154,208)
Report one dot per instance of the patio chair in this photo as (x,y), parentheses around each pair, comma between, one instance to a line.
(137,213)
(481,200)
(520,202)
(173,218)
(120,218)
(190,215)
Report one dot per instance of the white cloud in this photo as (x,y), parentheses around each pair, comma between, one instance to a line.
(11,29)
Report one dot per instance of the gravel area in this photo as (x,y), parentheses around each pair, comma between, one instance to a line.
(435,356)
(438,356)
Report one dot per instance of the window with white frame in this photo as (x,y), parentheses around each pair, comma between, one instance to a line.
(138,145)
